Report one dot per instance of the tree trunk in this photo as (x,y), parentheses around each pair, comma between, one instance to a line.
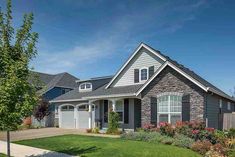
(8,144)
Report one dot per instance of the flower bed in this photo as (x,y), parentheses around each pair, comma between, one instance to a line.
(193,135)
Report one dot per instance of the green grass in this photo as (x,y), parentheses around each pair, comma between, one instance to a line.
(106,147)
(2,155)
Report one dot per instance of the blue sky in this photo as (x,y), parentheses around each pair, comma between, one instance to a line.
(92,38)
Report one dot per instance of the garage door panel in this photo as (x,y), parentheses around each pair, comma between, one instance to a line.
(83,119)
(67,119)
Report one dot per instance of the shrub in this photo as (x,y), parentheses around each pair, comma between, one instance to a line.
(143,136)
(167,140)
(217,150)
(201,147)
(88,130)
(95,130)
(183,141)
(230,143)
(167,129)
(148,127)
(220,136)
(113,123)
(182,128)
(197,125)
(231,133)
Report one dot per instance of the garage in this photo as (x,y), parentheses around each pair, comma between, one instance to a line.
(67,117)
(83,116)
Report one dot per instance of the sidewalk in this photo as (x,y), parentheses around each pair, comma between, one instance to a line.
(26,151)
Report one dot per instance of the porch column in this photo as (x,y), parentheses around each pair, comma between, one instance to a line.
(90,114)
(114,105)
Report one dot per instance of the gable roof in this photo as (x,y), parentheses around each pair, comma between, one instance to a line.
(156,53)
(202,83)
(50,81)
(189,74)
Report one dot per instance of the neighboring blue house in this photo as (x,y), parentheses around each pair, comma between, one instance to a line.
(51,86)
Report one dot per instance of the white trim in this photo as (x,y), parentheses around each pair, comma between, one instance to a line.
(67,100)
(132,56)
(59,113)
(141,81)
(85,89)
(111,96)
(168,113)
(220,103)
(229,105)
(147,82)
(175,68)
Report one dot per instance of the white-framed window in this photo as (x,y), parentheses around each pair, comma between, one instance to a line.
(229,106)
(169,108)
(144,74)
(85,86)
(120,110)
(220,103)
(67,108)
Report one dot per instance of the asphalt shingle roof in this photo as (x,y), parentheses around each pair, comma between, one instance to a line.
(75,94)
(50,81)
(192,74)
(115,90)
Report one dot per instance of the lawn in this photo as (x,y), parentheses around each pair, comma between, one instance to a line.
(2,155)
(105,147)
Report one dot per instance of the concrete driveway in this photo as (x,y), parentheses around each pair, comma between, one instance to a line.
(38,133)
(46,132)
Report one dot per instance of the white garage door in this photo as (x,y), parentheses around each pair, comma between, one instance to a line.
(83,119)
(67,117)
(83,116)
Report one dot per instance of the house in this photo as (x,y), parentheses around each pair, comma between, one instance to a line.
(149,88)
(50,86)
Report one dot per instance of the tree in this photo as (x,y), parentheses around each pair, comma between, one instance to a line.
(41,110)
(17,49)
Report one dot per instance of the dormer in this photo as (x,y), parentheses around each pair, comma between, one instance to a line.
(85,87)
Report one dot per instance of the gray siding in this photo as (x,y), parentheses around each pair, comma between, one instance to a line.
(212,109)
(144,58)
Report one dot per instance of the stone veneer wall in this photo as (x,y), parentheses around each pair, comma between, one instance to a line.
(170,80)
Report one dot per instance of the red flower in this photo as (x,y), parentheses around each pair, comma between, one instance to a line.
(210,129)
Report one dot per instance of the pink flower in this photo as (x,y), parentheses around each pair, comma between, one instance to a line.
(195,132)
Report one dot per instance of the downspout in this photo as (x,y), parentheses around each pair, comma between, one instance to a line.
(206,114)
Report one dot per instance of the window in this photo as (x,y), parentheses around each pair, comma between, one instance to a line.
(120,110)
(220,103)
(67,108)
(83,107)
(229,106)
(85,86)
(169,108)
(143,74)
(65,90)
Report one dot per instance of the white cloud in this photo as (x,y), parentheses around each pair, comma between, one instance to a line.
(123,33)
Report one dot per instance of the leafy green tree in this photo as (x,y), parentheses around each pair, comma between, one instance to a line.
(17,49)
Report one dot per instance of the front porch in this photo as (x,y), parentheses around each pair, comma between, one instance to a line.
(128,109)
